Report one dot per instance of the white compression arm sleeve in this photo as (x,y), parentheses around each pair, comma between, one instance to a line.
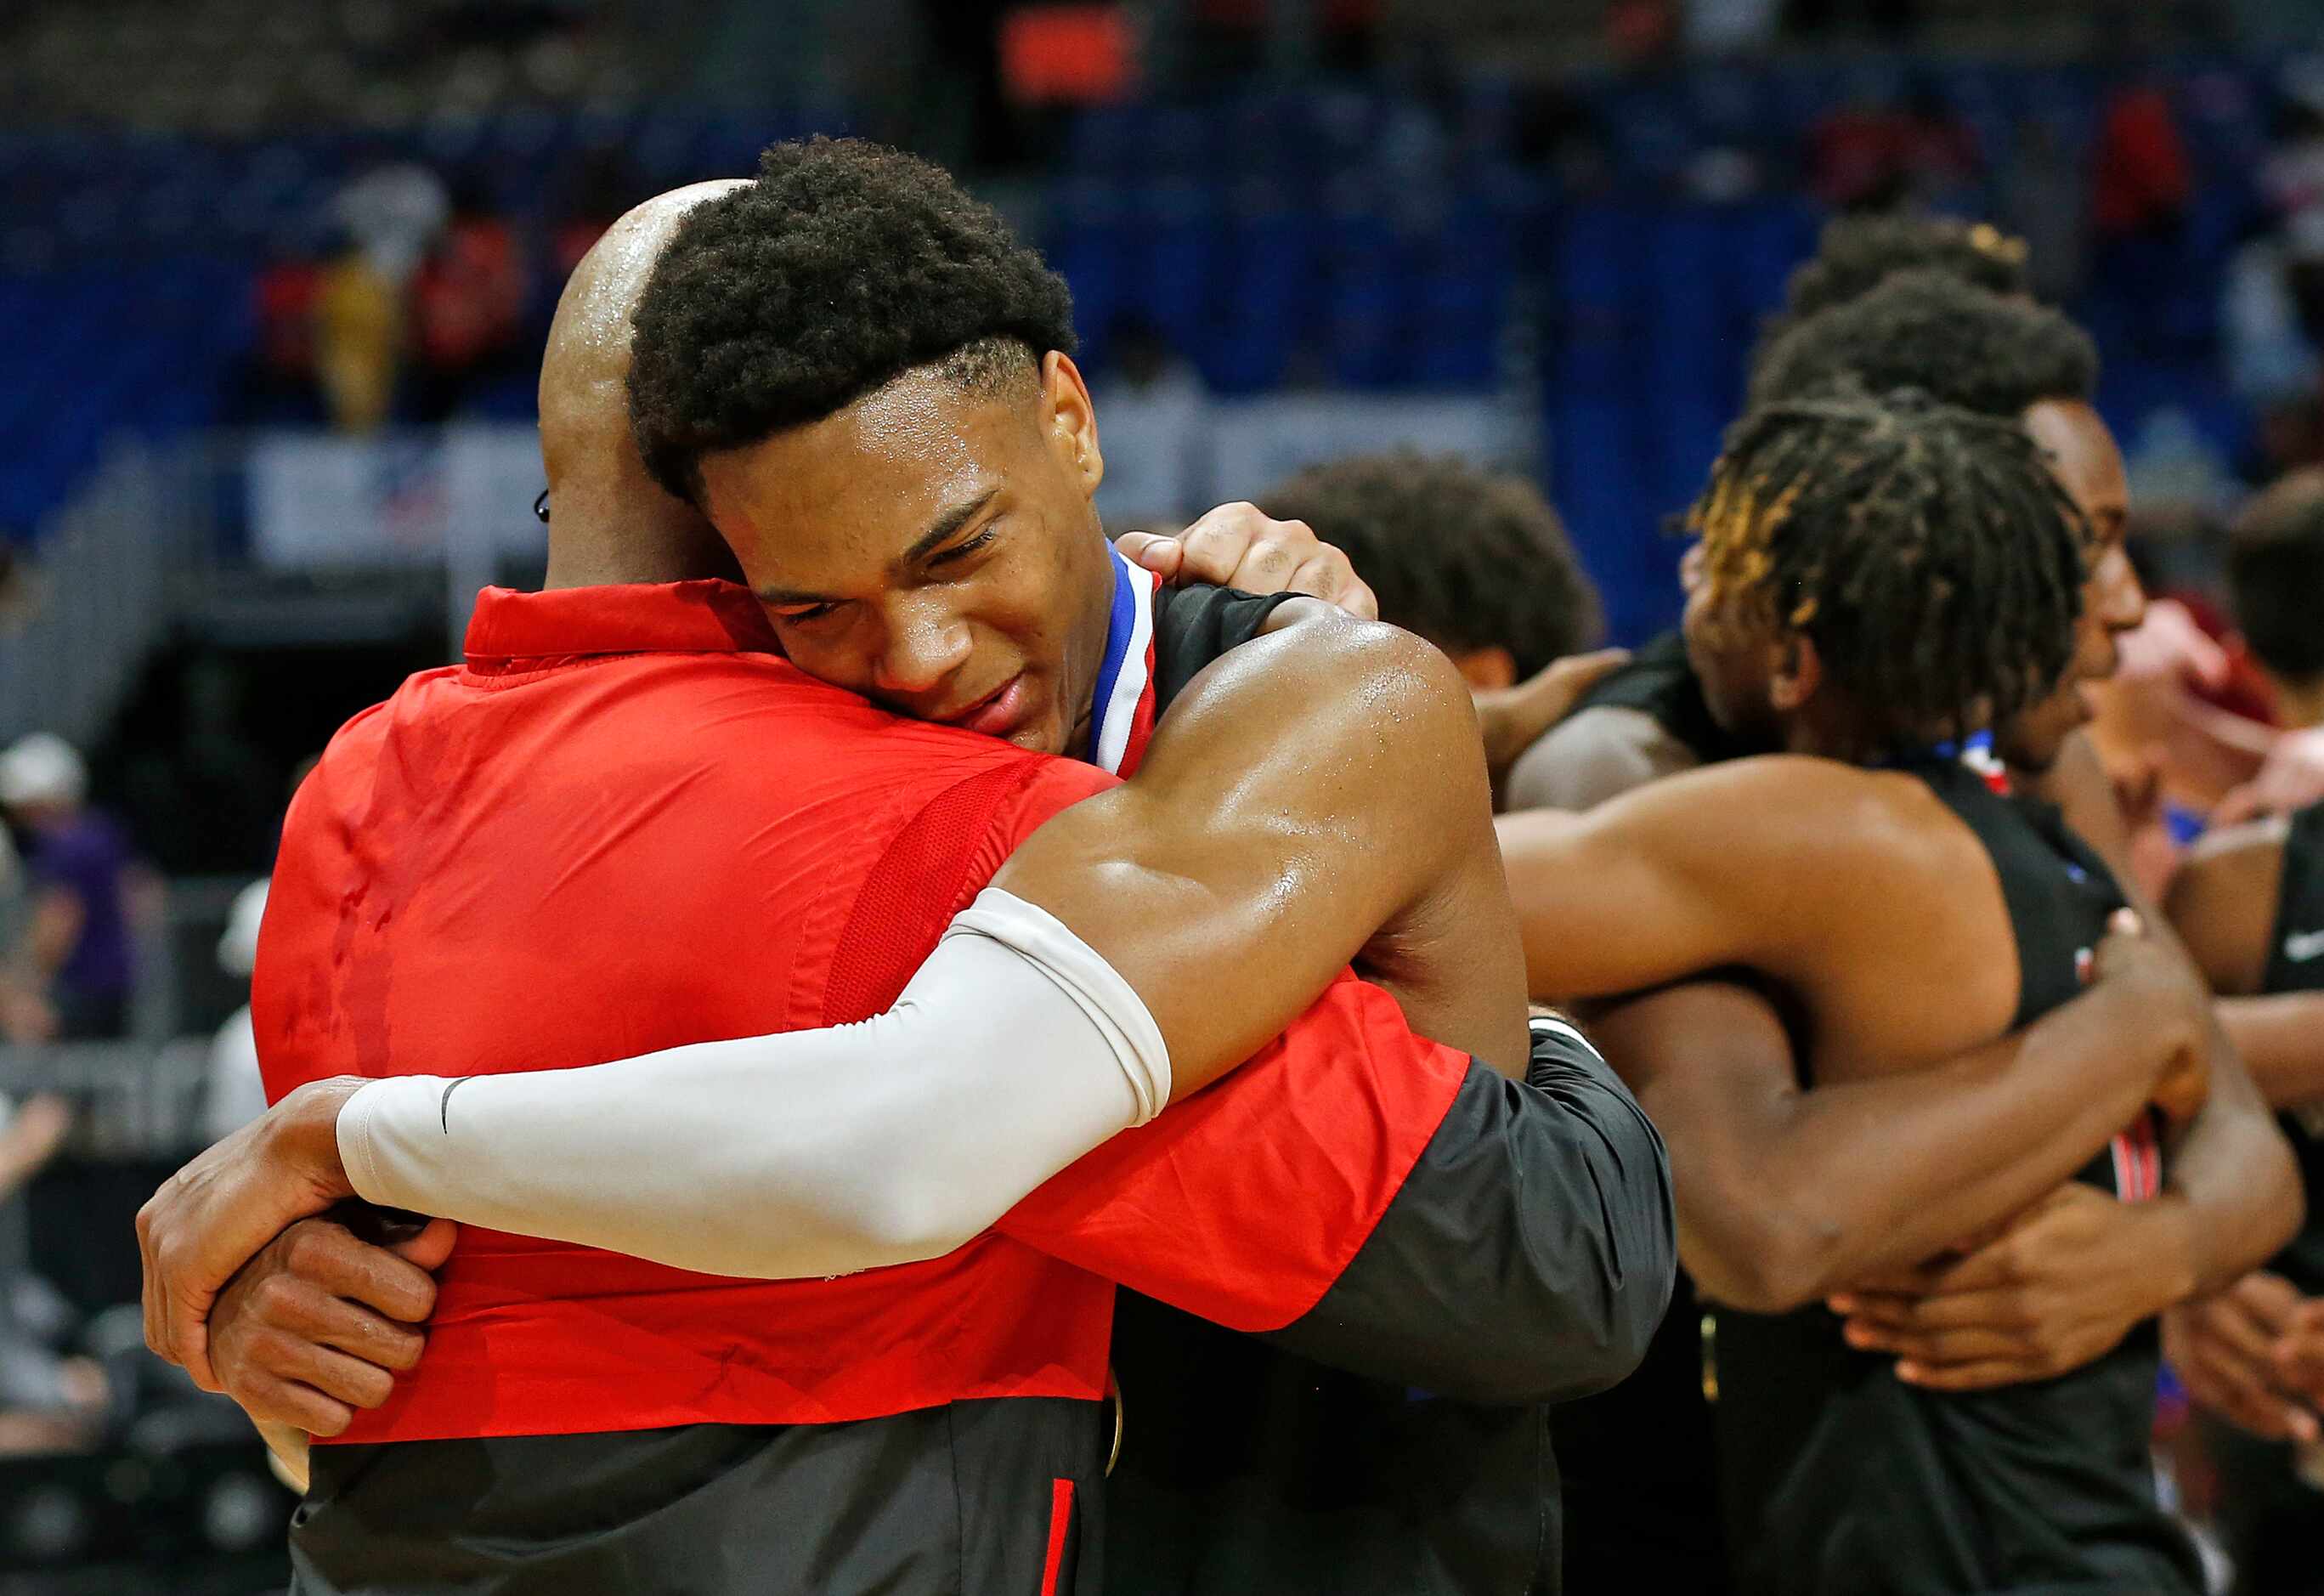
(1014,1050)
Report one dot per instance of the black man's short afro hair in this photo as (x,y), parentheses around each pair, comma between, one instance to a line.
(1467,558)
(1857,253)
(1959,345)
(844,265)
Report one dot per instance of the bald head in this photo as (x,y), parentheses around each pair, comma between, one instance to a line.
(608,521)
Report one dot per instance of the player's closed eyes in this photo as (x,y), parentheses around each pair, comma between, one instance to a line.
(961,550)
(808,614)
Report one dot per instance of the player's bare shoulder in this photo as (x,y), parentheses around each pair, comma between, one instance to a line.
(1838,811)
(1313,666)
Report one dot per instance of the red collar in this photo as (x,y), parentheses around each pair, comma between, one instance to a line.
(634,618)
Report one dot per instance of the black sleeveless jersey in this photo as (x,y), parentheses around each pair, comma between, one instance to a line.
(1839,1480)
(2295,963)
(1248,1466)
(1659,681)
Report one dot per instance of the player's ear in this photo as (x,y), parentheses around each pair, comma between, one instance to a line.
(1491,668)
(1798,672)
(1071,419)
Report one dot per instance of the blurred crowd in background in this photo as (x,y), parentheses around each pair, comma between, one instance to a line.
(276,278)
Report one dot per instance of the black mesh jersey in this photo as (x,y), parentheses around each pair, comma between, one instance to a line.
(1838,1480)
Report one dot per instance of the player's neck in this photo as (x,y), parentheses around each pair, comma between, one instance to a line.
(1096,635)
(592,555)
(1813,729)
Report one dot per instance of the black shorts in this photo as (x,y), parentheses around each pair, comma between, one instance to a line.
(966,1499)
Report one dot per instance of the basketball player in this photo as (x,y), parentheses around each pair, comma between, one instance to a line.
(1790,1197)
(1335,1150)
(1922,329)
(1833,528)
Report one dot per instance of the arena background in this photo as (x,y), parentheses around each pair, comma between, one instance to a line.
(275,274)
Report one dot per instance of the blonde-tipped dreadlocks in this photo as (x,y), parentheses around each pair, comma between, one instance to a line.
(1928,553)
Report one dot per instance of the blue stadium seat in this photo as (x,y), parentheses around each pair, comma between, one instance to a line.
(1595,485)
(1176,254)
(1594,271)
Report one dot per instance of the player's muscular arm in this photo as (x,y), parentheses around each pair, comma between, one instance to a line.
(1316,794)
(1785,1194)
(1767,863)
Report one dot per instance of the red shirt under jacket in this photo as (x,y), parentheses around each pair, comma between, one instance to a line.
(627,824)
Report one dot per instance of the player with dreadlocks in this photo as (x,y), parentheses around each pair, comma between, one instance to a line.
(1794,1185)
(2005,358)
(1648,720)
(1925,329)
(1879,581)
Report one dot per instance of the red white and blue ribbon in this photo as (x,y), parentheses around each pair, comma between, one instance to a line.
(1122,710)
(1977,754)
(2138,1160)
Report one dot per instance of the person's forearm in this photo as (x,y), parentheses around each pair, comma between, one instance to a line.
(1529,1254)
(1598,754)
(1865,1175)
(2235,1171)
(802,1154)
(2282,1041)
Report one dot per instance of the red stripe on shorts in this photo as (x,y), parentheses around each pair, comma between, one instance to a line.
(1061,1518)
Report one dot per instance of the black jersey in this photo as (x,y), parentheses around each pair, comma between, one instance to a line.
(1196,623)
(1641,1471)
(1249,1464)
(1839,1480)
(1659,681)
(2295,963)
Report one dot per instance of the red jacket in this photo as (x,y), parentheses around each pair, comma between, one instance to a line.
(625,825)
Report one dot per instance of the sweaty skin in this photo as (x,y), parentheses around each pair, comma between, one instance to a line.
(1274,834)
(1788,1194)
